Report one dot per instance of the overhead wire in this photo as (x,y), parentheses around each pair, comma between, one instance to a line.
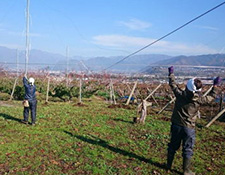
(168,34)
(155,40)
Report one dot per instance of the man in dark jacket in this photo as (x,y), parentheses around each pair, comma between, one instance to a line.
(184,116)
(30,96)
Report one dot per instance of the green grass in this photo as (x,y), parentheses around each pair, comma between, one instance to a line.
(95,139)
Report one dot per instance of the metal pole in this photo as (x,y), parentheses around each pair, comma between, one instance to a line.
(27,36)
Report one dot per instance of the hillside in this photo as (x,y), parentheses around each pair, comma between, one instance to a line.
(198,60)
(132,64)
(40,59)
(37,59)
(160,67)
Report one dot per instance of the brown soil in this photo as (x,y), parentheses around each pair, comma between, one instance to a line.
(120,106)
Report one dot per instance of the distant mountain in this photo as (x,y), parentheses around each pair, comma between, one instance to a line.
(37,58)
(131,64)
(191,61)
(198,60)
(41,59)
(7,54)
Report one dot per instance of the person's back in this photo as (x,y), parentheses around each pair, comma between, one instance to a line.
(30,97)
(188,101)
(30,89)
(184,117)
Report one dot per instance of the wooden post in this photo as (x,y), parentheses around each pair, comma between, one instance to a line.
(151,94)
(14,86)
(113,94)
(110,92)
(171,101)
(121,93)
(130,90)
(206,93)
(128,87)
(67,67)
(80,96)
(143,112)
(221,101)
(216,117)
(153,97)
(47,90)
(170,97)
(134,87)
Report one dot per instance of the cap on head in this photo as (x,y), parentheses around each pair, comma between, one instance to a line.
(194,85)
(31,80)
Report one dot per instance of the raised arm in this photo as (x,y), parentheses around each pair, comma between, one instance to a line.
(213,93)
(25,83)
(172,82)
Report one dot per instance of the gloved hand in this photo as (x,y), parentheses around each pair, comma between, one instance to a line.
(170,70)
(217,81)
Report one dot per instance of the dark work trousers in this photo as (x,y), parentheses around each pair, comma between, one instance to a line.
(186,136)
(32,107)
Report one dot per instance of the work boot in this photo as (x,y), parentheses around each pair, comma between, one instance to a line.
(24,122)
(170,158)
(186,166)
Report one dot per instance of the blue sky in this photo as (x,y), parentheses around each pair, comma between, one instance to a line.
(114,28)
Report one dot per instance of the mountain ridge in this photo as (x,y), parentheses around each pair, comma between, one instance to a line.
(41,59)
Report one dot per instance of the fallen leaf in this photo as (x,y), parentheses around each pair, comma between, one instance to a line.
(54,162)
(209,168)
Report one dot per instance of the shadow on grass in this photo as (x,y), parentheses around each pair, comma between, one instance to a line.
(9,117)
(104,144)
(200,126)
(121,120)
